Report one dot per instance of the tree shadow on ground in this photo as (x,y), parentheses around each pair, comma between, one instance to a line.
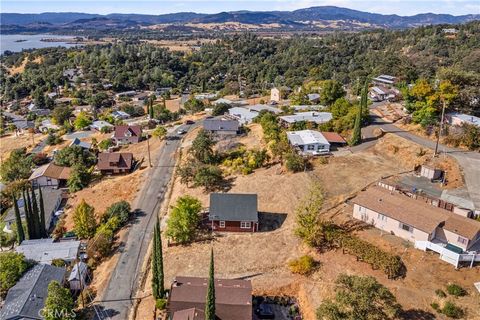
(417,314)
(269,221)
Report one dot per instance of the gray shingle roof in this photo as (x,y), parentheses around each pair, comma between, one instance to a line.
(233,207)
(220,125)
(26,298)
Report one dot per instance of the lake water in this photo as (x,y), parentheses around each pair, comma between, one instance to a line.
(9,42)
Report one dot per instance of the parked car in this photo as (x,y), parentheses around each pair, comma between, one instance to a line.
(181,131)
(189,122)
(265,311)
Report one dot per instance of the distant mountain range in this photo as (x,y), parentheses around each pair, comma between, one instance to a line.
(314,18)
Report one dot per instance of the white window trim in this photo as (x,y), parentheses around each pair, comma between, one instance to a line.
(462,240)
(401,224)
(221,224)
(382,217)
(245,225)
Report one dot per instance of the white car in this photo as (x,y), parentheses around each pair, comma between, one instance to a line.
(181,131)
(58,213)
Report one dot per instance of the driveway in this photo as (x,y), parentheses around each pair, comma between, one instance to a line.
(116,300)
(468,160)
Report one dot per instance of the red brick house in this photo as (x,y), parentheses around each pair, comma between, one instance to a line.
(233,212)
(127,134)
(114,162)
(233,299)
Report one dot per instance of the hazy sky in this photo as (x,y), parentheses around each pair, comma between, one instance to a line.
(406,7)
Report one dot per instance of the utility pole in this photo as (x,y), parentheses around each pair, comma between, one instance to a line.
(148,148)
(441,129)
(81,283)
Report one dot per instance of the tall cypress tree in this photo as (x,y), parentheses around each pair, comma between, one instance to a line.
(28,217)
(42,213)
(151,108)
(357,129)
(155,292)
(36,217)
(157,264)
(161,275)
(210,303)
(18,221)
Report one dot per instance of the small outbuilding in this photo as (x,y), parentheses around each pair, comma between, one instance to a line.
(78,276)
(235,212)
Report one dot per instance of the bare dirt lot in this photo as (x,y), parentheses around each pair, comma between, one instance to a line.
(409,155)
(108,190)
(262,257)
(11,142)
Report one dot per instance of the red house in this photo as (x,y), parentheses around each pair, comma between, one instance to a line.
(127,134)
(233,212)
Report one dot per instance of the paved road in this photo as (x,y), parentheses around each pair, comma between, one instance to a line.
(124,278)
(468,160)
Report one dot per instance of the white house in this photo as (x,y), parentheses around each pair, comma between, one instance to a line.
(243,115)
(50,175)
(310,116)
(385,79)
(100,124)
(309,142)
(118,114)
(46,250)
(261,107)
(457,119)
(277,94)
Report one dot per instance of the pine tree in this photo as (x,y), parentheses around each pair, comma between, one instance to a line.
(35,215)
(84,220)
(210,303)
(42,213)
(357,129)
(157,264)
(18,221)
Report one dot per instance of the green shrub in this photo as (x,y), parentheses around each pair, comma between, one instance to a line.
(105,144)
(451,310)
(455,290)
(119,209)
(294,162)
(304,265)
(435,306)
(161,304)
(440,293)
(59,263)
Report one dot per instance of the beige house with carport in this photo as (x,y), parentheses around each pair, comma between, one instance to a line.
(416,221)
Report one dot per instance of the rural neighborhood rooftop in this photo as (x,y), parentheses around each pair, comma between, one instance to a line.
(27,297)
(46,250)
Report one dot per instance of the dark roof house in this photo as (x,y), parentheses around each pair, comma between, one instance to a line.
(221,126)
(27,298)
(127,134)
(52,199)
(114,162)
(233,298)
(233,212)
